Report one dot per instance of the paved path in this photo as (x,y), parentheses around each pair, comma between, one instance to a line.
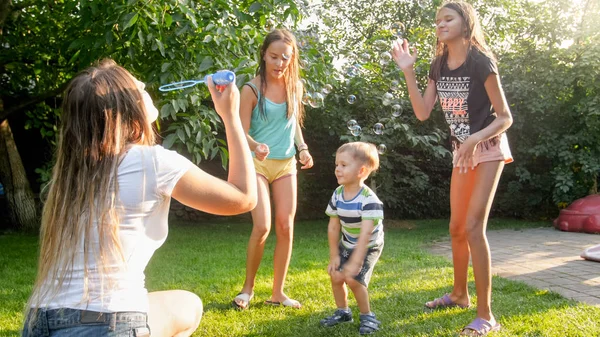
(545,258)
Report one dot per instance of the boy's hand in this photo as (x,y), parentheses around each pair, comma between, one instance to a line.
(334,265)
(352,268)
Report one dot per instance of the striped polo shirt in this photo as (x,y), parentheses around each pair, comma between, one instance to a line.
(364,206)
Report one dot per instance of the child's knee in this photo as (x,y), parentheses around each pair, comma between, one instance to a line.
(337,278)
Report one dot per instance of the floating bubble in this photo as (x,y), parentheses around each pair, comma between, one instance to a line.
(317,100)
(397,29)
(356,130)
(381,148)
(351,99)
(306,98)
(352,71)
(381,44)
(327,88)
(387,99)
(394,84)
(378,128)
(364,58)
(385,58)
(270,24)
(422,4)
(396,110)
(351,124)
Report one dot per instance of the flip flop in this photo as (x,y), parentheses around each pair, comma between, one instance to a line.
(480,327)
(444,302)
(287,303)
(244,298)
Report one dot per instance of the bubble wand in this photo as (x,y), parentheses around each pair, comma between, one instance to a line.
(220,78)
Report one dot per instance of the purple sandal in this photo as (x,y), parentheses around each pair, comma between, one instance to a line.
(480,327)
(444,302)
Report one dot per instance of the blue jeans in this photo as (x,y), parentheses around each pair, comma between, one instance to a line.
(81,323)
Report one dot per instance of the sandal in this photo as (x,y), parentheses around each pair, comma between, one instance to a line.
(368,324)
(339,316)
(287,303)
(445,302)
(244,298)
(480,327)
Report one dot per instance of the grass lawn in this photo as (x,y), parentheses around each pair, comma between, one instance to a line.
(209,260)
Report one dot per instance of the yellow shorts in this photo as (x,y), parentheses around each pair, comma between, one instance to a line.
(273,169)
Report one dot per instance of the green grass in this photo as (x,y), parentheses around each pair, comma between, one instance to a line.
(208,259)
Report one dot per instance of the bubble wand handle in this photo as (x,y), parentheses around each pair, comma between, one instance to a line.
(220,78)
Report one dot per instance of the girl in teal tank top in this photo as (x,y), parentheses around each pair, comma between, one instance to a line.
(272,117)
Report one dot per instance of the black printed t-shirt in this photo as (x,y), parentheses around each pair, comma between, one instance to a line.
(462,95)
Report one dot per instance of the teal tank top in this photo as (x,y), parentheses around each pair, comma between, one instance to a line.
(273,128)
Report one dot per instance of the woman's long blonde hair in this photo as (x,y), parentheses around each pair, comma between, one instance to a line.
(473,33)
(294,90)
(102,113)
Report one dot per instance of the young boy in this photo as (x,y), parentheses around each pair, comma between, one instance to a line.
(358,213)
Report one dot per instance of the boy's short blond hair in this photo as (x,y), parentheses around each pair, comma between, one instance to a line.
(365,153)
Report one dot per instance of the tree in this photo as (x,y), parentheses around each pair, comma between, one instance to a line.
(45,43)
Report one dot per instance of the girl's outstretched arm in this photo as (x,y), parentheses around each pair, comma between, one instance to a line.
(422,105)
(202,191)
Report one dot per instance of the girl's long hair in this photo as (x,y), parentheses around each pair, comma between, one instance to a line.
(294,90)
(474,34)
(102,113)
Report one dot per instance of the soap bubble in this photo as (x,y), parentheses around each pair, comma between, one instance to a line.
(327,88)
(387,99)
(394,84)
(351,124)
(356,130)
(378,128)
(398,29)
(364,57)
(396,110)
(306,98)
(317,100)
(351,99)
(385,58)
(381,148)
(383,45)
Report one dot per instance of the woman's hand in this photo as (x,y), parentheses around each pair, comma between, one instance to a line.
(261,151)
(305,159)
(226,100)
(463,159)
(402,56)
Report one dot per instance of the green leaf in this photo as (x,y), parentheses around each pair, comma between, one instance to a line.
(207,39)
(181,135)
(255,7)
(131,21)
(161,47)
(165,110)
(168,20)
(207,63)
(169,140)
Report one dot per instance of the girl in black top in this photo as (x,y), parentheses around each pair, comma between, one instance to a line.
(464,77)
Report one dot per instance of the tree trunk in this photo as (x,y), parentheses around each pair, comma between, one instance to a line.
(22,208)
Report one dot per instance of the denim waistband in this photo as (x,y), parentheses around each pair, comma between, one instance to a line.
(50,319)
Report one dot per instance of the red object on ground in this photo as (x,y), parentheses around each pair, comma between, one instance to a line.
(583,215)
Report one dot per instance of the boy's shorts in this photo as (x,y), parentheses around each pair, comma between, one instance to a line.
(273,169)
(371,258)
